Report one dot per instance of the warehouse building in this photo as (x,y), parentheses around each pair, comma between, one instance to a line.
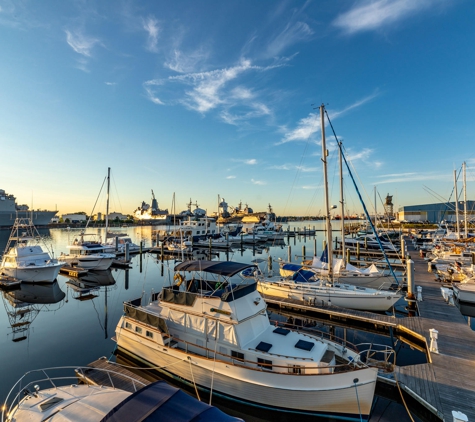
(435,213)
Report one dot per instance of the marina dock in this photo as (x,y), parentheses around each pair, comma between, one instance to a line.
(444,384)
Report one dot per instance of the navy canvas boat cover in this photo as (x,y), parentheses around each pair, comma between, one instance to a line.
(300,275)
(225,268)
(160,401)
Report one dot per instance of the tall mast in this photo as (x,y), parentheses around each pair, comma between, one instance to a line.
(342,200)
(327,202)
(465,222)
(107,201)
(456,205)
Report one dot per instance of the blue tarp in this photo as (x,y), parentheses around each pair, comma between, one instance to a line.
(160,401)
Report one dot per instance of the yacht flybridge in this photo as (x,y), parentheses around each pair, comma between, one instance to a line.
(210,329)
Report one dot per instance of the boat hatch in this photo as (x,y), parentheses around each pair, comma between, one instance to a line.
(263,346)
(305,345)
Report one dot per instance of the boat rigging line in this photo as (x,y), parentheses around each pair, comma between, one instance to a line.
(362,202)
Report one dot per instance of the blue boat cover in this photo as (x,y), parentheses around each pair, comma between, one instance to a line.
(225,268)
(160,401)
(300,275)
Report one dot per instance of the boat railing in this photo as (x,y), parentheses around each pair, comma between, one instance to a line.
(315,333)
(32,381)
(353,364)
(381,356)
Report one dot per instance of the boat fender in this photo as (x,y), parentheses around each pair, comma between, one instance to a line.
(178,278)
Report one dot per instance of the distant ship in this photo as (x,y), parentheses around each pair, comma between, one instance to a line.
(147,212)
(9,211)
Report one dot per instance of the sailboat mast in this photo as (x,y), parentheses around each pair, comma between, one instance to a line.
(342,200)
(456,205)
(327,202)
(107,201)
(465,222)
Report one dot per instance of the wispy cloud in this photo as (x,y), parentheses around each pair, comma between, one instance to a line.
(373,14)
(308,126)
(411,177)
(230,177)
(81,43)
(287,167)
(210,90)
(150,24)
(258,182)
(291,34)
(186,62)
(111,83)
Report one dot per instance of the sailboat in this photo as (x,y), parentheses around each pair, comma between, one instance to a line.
(90,254)
(318,288)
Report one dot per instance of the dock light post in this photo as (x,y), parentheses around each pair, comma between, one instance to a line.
(419,293)
(433,340)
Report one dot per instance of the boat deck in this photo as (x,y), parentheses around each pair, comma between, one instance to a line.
(447,382)
(121,378)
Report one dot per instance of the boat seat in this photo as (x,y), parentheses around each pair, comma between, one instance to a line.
(328,356)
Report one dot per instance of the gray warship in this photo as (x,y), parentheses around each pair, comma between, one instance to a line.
(10,210)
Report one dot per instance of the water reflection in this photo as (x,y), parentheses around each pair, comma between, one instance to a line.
(25,303)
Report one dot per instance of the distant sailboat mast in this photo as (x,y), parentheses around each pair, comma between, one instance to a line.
(456,205)
(342,200)
(465,222)
(327,202)
(107,201)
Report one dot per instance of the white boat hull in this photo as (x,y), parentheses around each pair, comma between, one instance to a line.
(89,262)
(44,274)
(326,394)
(327,296)
(464,292)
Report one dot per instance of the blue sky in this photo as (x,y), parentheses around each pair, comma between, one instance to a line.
(208,98)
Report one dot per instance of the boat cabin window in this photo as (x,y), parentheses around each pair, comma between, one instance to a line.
(264,364)
(149,334)
(296,369)
(138,330)
(128,325)
(237,355)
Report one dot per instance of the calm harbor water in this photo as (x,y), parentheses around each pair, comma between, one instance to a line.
(44,326)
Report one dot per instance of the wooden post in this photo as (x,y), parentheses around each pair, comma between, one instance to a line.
(315,246)
(358,251)
(410,279)
(126,251)
(303,251)
(289,253)
(403,248)
(269,263)
(348,255)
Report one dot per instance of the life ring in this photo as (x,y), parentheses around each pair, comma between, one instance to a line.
(178,278)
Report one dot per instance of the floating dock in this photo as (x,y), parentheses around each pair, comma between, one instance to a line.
(447,382)
(73,271)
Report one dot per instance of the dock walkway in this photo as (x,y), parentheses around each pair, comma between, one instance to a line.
(447,382)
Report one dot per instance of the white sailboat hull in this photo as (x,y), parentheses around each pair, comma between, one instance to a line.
(378,302)
(326,394)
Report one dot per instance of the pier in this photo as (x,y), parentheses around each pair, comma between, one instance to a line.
(444,384)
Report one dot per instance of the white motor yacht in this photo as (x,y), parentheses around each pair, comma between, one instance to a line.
(211,330)
(88,394)
(89,255)
(25,259)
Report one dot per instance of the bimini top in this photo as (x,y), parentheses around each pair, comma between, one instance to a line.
(224,268)
(161,402)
